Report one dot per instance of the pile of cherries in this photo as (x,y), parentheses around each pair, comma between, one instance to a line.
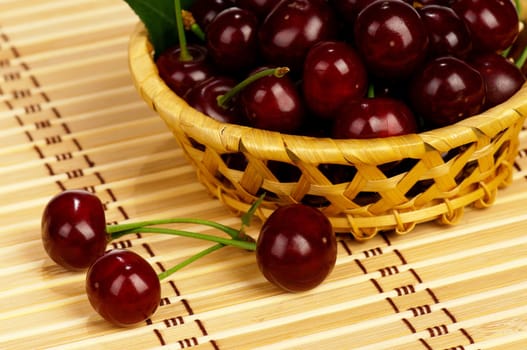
(296,250)
(355,68)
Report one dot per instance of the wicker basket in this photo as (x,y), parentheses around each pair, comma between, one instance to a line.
(439,172)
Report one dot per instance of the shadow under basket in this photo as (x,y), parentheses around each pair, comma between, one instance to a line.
(363,186)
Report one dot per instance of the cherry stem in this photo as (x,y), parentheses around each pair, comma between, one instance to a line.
(523,57)
(116,231)
(190,24)
(184,55)
(189,261)
(278,72)
(371,91)
(235,242)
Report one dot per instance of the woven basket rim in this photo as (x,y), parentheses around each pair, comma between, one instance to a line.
(233,138)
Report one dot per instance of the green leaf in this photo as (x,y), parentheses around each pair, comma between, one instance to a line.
(159,19)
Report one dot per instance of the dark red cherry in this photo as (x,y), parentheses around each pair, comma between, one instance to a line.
(292,27)
(204,11)
(373,117)
(204,97)
(448,34)
(273,103)
(232,40)
(446,91)
(123,288)
(502,77)
(348,10)
(391,38)
(180,75)
(493,23)
(296,248)
(333,73)
(259,7)
(73,229)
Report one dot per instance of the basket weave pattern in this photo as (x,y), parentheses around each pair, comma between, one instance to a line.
(389,184)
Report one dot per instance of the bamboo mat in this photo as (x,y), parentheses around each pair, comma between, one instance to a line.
(70,118)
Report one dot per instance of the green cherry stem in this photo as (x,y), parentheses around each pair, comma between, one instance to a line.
(184,54)
(278,72)
(116,231)
(189,261)
(243,244)
(190,24)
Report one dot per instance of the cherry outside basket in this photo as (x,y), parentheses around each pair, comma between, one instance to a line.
(395,182)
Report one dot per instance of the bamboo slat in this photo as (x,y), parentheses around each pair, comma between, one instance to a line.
(71,118)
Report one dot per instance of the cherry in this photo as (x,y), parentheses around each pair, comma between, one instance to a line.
(292,27)
(333,73)
(182,66)
(493,23)
(259,7)
(348,10)
(391,37)
(373,117)
(182,74)
(232,40)
(446,91)
(204,11)
(296,248)
(273,103)
(123,288)
(73,229)
(448,34)
(204,97)
(502,77)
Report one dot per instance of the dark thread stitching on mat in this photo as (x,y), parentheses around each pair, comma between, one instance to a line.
(174,288)
(173,321)
(377,285)
(416,276)
(420,310)
(429,291)
(201,327)
(425,344)
(400,256)
(467,335)
(187,306)
(450,316)
(392,303)
(437,331)
(361,266)
(409,325)
(345,246)
(189,342)
(148,250)
(159,337)
(160,266)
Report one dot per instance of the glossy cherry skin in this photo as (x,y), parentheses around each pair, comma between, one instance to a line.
(73,229)
(502,77)
(123,288)
(180,75)
(273,103)
(204,98)
(447,32)
(292,27)
(204,11)
(372,118)
(493,23)
(296,248)
(446,91)
(333,73)
(391,38)
(232,40)
(260,8)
